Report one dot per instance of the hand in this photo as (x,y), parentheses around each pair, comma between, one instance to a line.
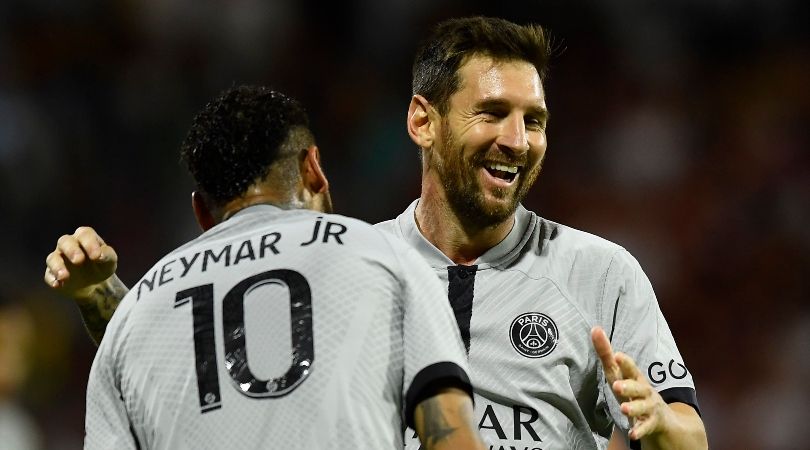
(80,261)
(648,412)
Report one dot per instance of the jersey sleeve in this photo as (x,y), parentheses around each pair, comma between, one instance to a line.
(434,353)
(636,326)
(107,424)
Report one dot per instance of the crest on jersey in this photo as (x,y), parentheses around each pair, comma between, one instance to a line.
(534,335)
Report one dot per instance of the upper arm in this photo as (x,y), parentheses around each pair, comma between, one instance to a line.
(107,423)
(642,332)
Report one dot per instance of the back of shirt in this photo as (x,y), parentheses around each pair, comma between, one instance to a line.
(274,329)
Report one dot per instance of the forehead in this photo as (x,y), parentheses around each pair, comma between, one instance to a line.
(482,77)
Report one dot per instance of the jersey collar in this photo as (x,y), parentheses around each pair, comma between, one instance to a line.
(501,254)
(255,209)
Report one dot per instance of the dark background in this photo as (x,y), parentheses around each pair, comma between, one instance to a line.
(678,130)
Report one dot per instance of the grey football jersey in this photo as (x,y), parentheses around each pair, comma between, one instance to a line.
(274,329)
(525,311)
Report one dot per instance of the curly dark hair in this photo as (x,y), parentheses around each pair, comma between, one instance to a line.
(235,140)
(454,41)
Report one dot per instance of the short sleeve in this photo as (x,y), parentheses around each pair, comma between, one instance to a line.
(434,353)
(106,422)
(636,326)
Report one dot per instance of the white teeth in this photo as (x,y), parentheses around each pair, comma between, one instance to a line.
(503,168)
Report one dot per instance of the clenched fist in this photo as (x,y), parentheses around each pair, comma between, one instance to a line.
(80,261)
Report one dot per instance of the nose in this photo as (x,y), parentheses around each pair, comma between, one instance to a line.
(513,135)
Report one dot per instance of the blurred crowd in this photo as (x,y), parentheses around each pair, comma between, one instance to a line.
(678,130)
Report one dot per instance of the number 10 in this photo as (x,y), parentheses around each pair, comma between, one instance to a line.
(233,329)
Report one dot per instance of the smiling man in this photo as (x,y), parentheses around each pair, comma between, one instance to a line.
(531,297)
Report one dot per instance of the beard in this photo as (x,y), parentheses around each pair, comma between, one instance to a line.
(465,195)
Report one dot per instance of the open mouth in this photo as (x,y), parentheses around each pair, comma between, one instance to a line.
(502,171)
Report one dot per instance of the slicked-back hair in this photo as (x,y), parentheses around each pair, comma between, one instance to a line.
(454,41)
(238,137)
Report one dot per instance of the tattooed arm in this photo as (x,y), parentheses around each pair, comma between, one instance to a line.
(82,267)
(100,304)
(445,422)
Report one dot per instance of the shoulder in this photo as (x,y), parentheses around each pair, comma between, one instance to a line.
(378,234)
(375,242)
(569,254)
(566,240)
(402,224)
(586,253)
(388,226)
(568,237)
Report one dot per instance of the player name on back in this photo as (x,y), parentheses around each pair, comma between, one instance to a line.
(233,253)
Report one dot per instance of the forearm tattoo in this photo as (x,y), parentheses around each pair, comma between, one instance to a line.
(436,427)
(101,305)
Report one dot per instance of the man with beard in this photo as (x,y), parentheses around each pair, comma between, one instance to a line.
(540,306)
(531,296)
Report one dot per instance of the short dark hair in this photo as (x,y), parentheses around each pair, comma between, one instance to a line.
(236,138)
(454,41)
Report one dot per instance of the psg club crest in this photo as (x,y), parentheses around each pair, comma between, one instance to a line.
(534,335)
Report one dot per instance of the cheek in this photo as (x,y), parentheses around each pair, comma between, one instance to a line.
(479,131)
(537,147)
(477,137)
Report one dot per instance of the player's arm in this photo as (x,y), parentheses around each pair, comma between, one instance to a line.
(445,421)
(655,423)
(82,267)
(107,423)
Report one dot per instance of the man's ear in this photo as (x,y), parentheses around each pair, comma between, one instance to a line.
(202,212)
(311,172)
(421,118)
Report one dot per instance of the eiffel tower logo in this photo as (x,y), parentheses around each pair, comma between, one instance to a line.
(533,335)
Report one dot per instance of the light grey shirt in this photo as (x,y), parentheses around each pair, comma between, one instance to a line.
(525,311)
(274,329)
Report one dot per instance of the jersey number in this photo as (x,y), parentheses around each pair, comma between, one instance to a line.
(233,330)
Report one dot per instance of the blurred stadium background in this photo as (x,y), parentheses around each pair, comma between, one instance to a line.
(679,130)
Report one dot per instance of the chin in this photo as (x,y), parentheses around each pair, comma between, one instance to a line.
(490,213)
(482,209)
(501,204)
(496,215)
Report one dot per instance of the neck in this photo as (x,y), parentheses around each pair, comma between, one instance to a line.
(460,241)
(236,205)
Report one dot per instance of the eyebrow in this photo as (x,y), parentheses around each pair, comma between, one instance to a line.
(537,112)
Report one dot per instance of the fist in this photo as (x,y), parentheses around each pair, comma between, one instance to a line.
(80,261)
